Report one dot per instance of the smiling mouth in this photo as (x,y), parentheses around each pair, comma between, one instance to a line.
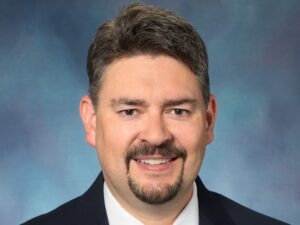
(154,162)
(155,158)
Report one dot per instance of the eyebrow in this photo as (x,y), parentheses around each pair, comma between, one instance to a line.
(127,101)
(176,102)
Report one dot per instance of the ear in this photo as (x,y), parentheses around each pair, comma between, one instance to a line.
(88,117)
(211,113)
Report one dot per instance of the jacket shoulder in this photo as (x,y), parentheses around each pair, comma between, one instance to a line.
(88,208)
(67,213)
(243,215)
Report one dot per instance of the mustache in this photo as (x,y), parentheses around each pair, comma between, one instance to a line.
(167,150)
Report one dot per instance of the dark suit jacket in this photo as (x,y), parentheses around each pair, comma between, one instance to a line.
(89,209)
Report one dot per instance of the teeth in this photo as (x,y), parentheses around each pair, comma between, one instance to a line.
(154,161)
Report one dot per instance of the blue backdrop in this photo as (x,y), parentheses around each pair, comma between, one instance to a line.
(254,51)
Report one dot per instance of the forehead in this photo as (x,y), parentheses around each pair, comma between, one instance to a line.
(149,76)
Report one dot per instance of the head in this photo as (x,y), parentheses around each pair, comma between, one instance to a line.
(140,30)
(149,112)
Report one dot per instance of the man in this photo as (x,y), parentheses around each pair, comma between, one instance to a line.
(150,115)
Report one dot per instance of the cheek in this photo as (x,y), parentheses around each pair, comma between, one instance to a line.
(195,150)
(190,135)
(193,139)
(195,154)
(112,142)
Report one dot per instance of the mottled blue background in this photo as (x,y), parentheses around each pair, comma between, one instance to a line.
(254,49)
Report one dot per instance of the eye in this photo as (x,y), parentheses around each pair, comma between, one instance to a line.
(128,112)
(180,112)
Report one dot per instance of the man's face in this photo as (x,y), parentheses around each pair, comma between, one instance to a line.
(150,129)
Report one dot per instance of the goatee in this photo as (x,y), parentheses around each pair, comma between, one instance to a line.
(160,193)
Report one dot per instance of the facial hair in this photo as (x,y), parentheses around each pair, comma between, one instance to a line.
(157,194)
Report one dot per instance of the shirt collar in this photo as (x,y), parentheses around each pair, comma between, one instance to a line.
(118,215)
(190,214)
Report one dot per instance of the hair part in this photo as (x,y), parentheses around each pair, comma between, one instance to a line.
(140,29)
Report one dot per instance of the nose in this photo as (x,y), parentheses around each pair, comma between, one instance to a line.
(155,132)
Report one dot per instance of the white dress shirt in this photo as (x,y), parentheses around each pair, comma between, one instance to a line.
(118,215)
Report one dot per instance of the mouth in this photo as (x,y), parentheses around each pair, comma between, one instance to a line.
(155,158)
(154,161)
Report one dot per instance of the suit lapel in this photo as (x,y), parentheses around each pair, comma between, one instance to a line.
(211,211)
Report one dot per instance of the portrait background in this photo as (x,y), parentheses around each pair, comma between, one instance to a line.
(254,57)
